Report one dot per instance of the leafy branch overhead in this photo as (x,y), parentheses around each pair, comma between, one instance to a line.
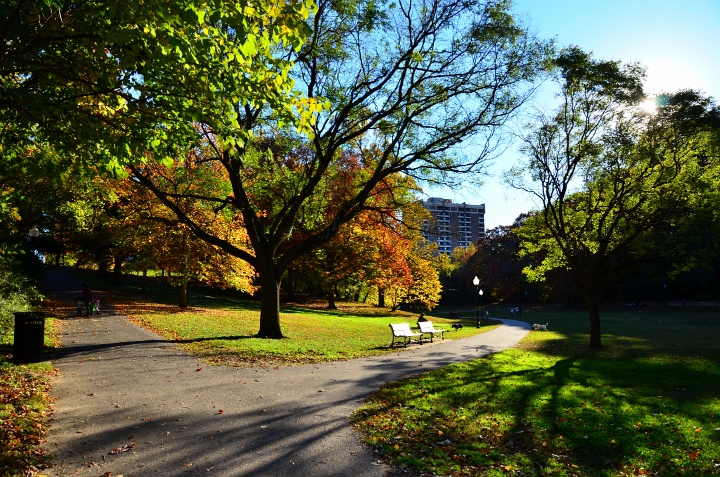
(105,82)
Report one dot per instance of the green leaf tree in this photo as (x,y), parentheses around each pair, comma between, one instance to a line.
(405,88)
(686,128)
(604,174)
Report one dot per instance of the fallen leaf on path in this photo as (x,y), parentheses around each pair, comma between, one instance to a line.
(124,448)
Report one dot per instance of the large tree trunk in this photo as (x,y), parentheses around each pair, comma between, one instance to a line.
(381,298)
(269,304)
(331,297)
(290,284)
(183,303)
(594,315)
(117,270)
(102,268)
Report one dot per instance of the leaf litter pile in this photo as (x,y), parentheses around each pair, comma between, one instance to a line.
(24,410)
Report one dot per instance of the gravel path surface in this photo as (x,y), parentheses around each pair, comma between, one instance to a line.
(134,404)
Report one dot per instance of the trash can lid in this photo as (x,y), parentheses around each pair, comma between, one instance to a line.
(30,314)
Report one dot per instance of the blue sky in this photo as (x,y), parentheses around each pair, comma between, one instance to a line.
(678,41)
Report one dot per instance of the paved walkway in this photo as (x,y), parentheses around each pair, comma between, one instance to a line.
(124,388)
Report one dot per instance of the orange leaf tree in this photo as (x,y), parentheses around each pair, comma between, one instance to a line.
(168,243)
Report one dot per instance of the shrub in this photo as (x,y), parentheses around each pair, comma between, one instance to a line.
(17,293)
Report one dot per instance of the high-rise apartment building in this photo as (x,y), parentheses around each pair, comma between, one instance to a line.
(455,225)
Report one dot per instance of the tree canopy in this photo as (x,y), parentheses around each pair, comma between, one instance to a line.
(103,82)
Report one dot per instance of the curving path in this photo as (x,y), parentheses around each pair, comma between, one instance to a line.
(123,387)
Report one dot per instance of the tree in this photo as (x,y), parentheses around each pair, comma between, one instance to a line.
(388,269)
(603,173)
(496,263)
(587,142)
(92,85)
(425,290)
(417,265)
(351,256)
(405,87)
(686,128)
(159,239)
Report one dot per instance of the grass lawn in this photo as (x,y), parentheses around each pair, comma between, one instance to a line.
(220,328)
(648,403)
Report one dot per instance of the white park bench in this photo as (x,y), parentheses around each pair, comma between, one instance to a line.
(402,330)
(426,327)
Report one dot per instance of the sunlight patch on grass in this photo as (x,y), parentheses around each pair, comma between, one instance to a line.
(226,336)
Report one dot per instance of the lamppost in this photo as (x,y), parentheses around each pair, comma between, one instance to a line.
(480,292)
(32,235)
(476,282)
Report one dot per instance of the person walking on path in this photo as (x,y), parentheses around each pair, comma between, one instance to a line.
(87,296)
(129,402)
(79,306)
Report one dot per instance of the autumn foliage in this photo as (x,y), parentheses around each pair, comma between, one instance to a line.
(23,412)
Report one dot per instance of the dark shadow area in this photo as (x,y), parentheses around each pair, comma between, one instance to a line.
(71,350)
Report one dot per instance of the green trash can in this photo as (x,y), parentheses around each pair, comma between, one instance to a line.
(29,336)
